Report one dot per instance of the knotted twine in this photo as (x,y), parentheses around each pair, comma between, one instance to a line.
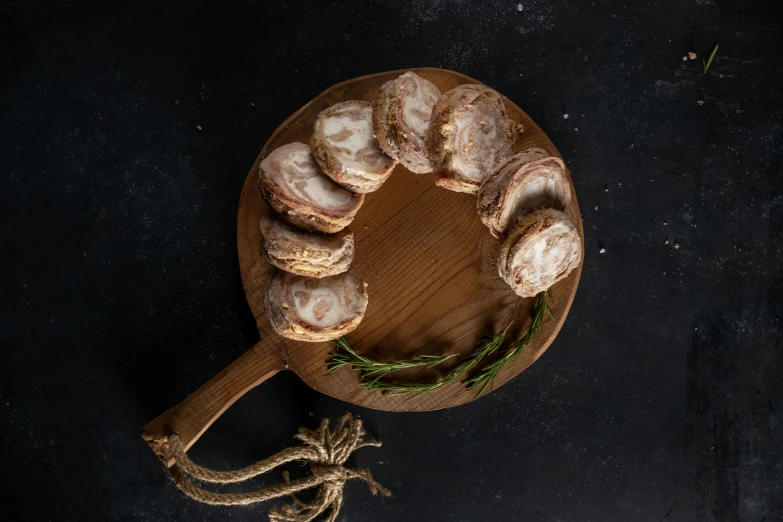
(326,450)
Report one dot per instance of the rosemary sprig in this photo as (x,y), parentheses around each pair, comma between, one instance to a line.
(488,373)
(707,64)
(372,372)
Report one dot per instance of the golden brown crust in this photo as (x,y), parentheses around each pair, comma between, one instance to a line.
(305,253)
(293,305)
(543,248)
(352,157)
(309,222)
(456,185)
(289,176)
(401,116)
(469,135)
(526,181)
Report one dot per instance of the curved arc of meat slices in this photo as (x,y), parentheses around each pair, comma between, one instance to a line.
(294,186)
(305,253)
(542,249)
(469,135)
(346,150)
(313,310)
(526,181)
(401,120)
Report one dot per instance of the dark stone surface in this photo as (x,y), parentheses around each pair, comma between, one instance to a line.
(120,293)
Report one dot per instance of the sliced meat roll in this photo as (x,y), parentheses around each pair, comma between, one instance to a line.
(309,309)
(469,135)
(295,187)
(305,253)
(401,120)
(345,148)
(541,250)
(526,181)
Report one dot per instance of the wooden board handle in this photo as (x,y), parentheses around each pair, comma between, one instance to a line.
(191,418)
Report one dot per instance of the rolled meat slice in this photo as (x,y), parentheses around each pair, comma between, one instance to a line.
(312,310)
(541,250)
(526,181)
(345,148)
(295,187)
(469,136)
(305,253)
(401,120)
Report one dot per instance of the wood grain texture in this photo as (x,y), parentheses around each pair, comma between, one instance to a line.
(429,262)
(431,267)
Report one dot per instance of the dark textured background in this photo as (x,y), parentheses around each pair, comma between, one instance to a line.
(120,293)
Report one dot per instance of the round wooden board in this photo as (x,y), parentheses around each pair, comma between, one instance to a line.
(429,262)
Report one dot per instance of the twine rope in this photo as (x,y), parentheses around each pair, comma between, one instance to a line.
(326,450)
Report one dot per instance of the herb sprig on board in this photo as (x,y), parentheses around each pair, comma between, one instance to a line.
(488,373)
(372,372)
(484,348)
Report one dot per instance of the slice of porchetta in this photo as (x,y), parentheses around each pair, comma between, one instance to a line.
(313,310)
(470,135)
(526,181)
(346,150)
(401,120)
(543,248)
(305,253)
(295,187)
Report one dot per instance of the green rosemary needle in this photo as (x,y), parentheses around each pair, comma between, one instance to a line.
(372,371)
(488,373)
(484,348)
(707,64)
(346,356)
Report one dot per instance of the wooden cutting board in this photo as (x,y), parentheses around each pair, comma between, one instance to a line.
(431,269)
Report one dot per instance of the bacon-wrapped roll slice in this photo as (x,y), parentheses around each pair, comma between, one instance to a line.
(345,148)
(295,187)
(469,135)
(541,250)
(309,309)
(526,181)
(401,120)
(305,253)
